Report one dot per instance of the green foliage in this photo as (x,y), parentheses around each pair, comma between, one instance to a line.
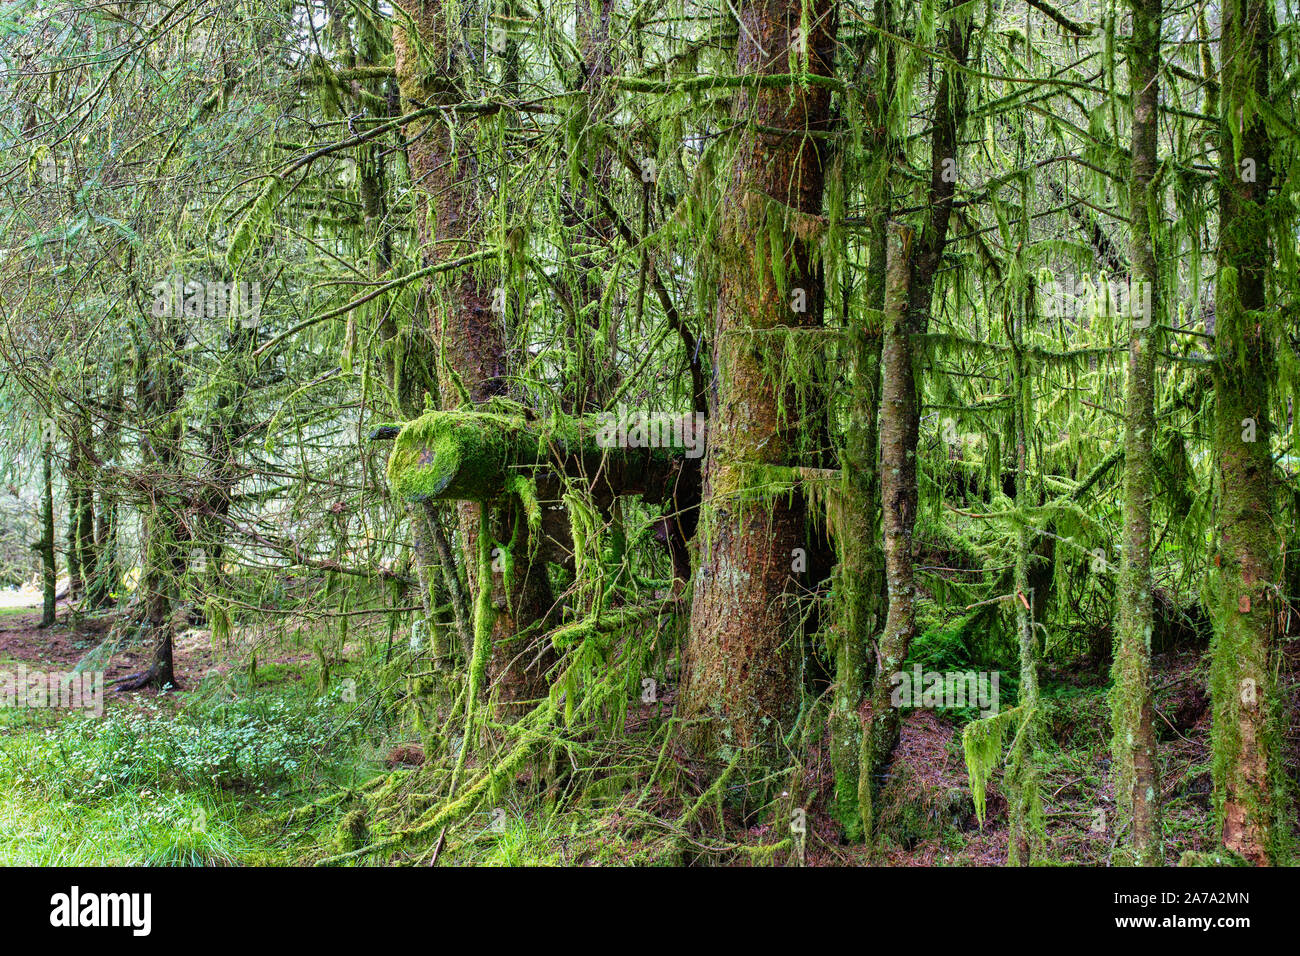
(436,230)
(248,745)
(982,742)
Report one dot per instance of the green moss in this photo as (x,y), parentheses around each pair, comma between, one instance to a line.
(484,619)
(455,455)
(911,811)
(981,743)
(352,832)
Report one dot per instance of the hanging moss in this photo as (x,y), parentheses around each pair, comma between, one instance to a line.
(219,621)
(981,742)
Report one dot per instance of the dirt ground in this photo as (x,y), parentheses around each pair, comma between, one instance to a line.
(62,646)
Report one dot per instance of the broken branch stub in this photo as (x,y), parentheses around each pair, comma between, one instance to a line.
(479,455)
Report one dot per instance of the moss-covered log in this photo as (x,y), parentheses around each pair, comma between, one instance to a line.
(485,455)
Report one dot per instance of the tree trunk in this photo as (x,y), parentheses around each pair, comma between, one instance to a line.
(1243,688)
(86,556)
(470,338)
(739,676)
(106,580)
(72,481)
(1025,844)
(159,392)
(45,546)
(590,378)
(912,264)
(1137,783)
(858,582)
(899,424)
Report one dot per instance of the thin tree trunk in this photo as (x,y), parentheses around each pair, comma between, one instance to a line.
(1137,782)
(858,582)
(907,313)
(72,481)
(159,392)
(899,424)
(1025,844)
(859,576)
(86,556)
(469,337)
(45,546)
(590,376)
(105,582)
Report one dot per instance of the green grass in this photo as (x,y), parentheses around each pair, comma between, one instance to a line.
(145,827)
(189,779)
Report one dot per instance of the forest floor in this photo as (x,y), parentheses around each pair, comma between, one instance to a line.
(206,773)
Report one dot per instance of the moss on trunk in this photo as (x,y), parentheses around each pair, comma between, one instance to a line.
(740,690)
(1246,736)
(1133,745)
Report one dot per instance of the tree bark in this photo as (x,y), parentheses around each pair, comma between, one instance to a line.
(1025,843)
(739,676)
(1137,780)
(899,424)
(72,481)
(46,545)
(912,264)
(470,338)
(858,582)
(159,392)
(1244,653)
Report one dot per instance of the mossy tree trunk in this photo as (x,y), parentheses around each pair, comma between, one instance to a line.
(590,378)
(740,674)
(225,426)
(469,337)
(105,582)
(159,393)
(405,361)
(912,266)
(85,539)
(1025,845)
(81,505)
(72,553)
(1243,688)
(858,581)
(899,422)
(49,571)
(88,556)
(1137,779)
